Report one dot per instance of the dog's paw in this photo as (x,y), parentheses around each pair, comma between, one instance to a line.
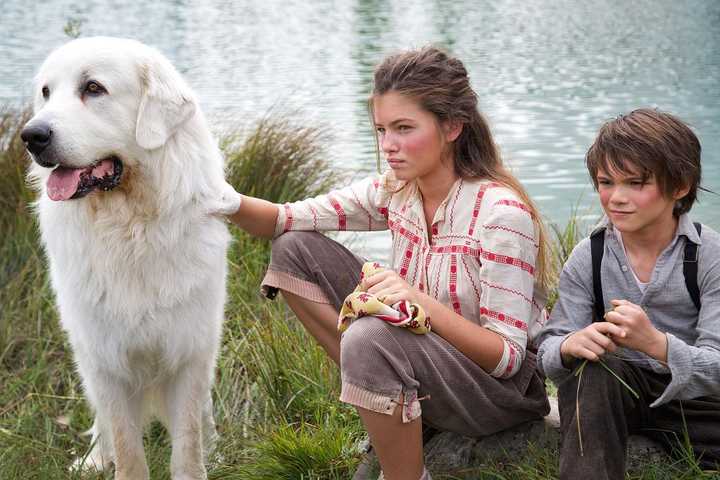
(226,201)
(93,462)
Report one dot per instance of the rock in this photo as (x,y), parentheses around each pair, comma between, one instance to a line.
(449,452)
(642,451)
(513,443)
(369,468)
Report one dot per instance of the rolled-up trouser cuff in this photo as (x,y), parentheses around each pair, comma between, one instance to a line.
(275,280)
(312,266)
(381,403)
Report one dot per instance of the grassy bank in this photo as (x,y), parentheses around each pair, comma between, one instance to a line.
(276,404)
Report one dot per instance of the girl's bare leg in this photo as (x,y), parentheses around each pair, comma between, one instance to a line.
(398,445)
(320,320)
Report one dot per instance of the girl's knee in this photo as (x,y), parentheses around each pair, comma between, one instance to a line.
(363,338)
(292,242)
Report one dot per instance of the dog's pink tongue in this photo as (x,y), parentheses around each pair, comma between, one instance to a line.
(63,183)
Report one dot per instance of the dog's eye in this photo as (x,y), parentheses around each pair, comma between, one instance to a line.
(94,88)
(45,92)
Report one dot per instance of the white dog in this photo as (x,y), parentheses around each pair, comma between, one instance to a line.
(131,184)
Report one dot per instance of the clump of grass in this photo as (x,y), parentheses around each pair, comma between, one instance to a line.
(17,243)
(25,299)
(303,451)
(563,242)
(277,390)
(279,160)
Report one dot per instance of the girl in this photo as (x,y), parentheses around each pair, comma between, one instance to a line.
(467,247)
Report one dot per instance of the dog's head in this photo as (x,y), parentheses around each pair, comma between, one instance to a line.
(100,104)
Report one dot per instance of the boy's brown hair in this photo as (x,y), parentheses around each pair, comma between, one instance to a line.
(650,143)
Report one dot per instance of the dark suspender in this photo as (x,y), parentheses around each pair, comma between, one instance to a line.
(690,269)
(597,248)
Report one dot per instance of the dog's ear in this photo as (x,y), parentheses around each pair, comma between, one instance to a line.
(167,102)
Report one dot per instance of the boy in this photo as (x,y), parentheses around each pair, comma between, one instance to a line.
(647,328)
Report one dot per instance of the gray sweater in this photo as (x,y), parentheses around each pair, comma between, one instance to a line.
(693,337)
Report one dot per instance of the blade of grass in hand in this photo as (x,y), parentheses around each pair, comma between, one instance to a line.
(578,373)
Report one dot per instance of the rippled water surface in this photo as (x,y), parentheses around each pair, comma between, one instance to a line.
(548,72)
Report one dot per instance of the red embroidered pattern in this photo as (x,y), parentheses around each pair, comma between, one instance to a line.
(478,202)
(395,227)
(505,318)
(342,219)
(406,261)
(452,210)
(464,249)
(359,204)
(515,262)
(398,217)
(472,282)
(453,285)
(511,361)
(315,219)
(513,203)
(288,218)
(503,227)
(436,278)
(505,289)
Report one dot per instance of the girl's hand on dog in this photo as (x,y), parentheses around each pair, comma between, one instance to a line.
(640,334)
(226,202)
(390,288)
(591,342)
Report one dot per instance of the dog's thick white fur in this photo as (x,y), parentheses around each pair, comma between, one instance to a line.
(138,271)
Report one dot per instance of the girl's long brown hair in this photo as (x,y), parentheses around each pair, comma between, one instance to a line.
(440,84)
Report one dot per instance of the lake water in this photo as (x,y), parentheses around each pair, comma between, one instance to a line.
(548,72)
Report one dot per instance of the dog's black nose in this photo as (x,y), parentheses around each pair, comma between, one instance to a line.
(36,137)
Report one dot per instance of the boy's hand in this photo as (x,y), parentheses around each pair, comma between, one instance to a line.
(640,334)
(591,342)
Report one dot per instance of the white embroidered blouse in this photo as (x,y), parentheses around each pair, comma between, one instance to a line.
(477,257)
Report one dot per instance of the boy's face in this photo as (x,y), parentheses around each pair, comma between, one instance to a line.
(635,204)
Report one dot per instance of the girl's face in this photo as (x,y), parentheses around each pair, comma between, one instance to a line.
(634,204)
(415,146)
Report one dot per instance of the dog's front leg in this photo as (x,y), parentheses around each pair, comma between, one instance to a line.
(186,395)
(118,407)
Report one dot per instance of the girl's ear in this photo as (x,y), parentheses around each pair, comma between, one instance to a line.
(453,129)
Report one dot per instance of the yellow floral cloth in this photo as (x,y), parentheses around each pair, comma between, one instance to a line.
(403,314)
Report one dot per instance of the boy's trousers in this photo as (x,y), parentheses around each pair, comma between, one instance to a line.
(609,413)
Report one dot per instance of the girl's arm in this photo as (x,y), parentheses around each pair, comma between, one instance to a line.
(479,344)
(256,216)
(360,206)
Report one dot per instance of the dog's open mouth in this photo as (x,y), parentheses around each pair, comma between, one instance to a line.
(68,183)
